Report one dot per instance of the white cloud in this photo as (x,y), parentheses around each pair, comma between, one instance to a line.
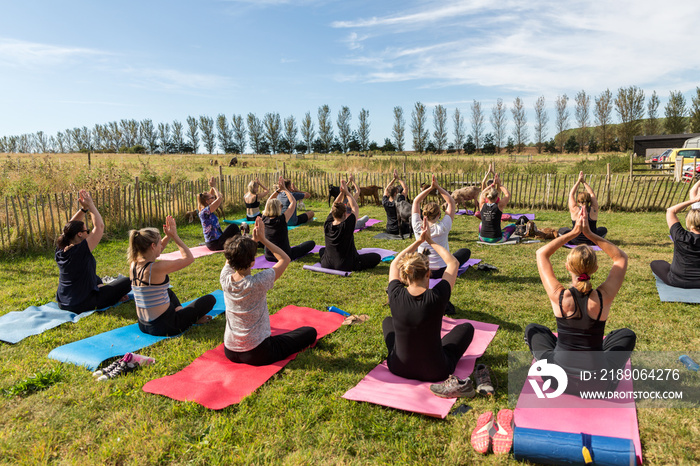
(174,80)
(17,53)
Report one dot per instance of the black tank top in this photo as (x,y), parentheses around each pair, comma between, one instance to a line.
(491,221)
(252,205)
(580,332)
(593,224)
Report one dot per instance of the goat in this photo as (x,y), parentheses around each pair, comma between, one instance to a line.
(233,162)
(333,192)
(403,215)
(466,194)
(370,191)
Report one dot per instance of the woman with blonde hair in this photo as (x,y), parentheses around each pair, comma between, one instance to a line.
(439,229)
(208,203)
(581,315)
(583,200)
(276,225)
(412,333)
(256,190)
(159,311)
(79,287)
(684,271)
(492,202)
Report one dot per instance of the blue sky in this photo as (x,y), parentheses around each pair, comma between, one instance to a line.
(76,63)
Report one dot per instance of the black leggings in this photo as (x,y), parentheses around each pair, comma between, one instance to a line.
(105,296)
(582,239)
(218,244)
(454,344)
(661,270)
(295,252)
(617,348)
(274,348)
(363,262)
(462,256)
(173,322)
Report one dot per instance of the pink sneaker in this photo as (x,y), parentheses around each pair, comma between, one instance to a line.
(503,438)
(481,438)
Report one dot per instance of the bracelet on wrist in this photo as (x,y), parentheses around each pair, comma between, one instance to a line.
(84,210)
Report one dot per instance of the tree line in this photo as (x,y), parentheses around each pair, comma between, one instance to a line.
(593,116)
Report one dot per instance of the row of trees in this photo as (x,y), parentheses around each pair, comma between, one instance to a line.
(272,134)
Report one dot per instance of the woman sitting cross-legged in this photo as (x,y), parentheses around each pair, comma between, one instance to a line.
(256,190)
(340,252)
(247,338)
(159,310)
(581,314)
(684,271)
(412,333)
(492,203)
(578,201)
(439,229)
(79,287)
(208,203)
(389,200)
(276,225)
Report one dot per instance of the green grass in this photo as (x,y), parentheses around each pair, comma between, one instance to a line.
(298,416)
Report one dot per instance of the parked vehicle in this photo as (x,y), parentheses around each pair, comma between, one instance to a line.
(654,159)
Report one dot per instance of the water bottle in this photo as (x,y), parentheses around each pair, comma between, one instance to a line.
(689,363)
(338,311)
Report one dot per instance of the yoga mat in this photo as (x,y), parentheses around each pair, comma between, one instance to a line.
(251,223)
(671,294)
(389,236)
(434,281)
(90,352)
(317,267)
(197,251)
(15,326)
(368,224)
(570,414)
(510,241)
(215,382)
(262,263)
(573,246)
(386,389)
(505,217)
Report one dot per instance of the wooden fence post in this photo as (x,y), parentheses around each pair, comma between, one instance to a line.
(137,194)
(607,186)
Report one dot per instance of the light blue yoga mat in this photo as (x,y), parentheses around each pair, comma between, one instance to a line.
(671,294)
(91,351)
(15,326)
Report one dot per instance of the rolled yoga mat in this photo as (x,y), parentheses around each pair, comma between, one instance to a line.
(548,447)
(317,267)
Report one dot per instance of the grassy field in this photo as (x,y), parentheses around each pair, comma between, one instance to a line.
(298,416)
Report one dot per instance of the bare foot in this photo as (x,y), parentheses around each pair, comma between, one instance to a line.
(124,298)
(203,320)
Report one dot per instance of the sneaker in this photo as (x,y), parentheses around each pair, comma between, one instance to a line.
(453,388)
(483,380)
(124,366)
(109,368)
(503,438)
(481,437)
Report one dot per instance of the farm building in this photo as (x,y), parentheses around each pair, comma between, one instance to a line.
(653,145)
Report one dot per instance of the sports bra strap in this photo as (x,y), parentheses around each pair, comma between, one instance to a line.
(561,300)
(140,274)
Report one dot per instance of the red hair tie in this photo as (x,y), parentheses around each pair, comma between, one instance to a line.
(583,277)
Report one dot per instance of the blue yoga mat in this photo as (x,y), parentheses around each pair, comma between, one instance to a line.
(91,351)
(15,326)
(671,294)
(548,447)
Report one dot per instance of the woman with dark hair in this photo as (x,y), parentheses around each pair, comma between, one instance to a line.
(340,252)
(276,225)
(492,202)
(684,271)
(389,200)
(208,203)
(79,287)
(581,315)
(578,201)
(247,338)
(158,308)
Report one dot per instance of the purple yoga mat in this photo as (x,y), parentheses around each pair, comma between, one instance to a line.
(262,263)
(573,246)
(369,223)
(462,269)
(318,268)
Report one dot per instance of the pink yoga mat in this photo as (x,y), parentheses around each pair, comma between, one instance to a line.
(434,281)
(197,251)
(386,389)
(369,223)
(215,382)
(568,413)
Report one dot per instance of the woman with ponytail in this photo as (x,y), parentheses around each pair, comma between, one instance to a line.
(79,287)
(159,311)
(412,333)
(208,202)
(581,315)
(583,200)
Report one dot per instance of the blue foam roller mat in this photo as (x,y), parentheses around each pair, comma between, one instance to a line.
(549,447)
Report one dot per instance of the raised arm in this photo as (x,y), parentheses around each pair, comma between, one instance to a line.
(594,198)
(415,208)
(215,192)
(403,185)
(694,191)
(452,264)
(505,194)
(283,259)
(292,200)
(394,267)
(484,182)
(186,258)
(262,190)
(572,194)
(98,225)
(342,194)
(672,212)
(552,286)
(351,199)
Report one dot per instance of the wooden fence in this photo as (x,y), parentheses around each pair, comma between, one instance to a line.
(35,221)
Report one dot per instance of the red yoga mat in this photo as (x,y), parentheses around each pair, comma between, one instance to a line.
(215,382)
